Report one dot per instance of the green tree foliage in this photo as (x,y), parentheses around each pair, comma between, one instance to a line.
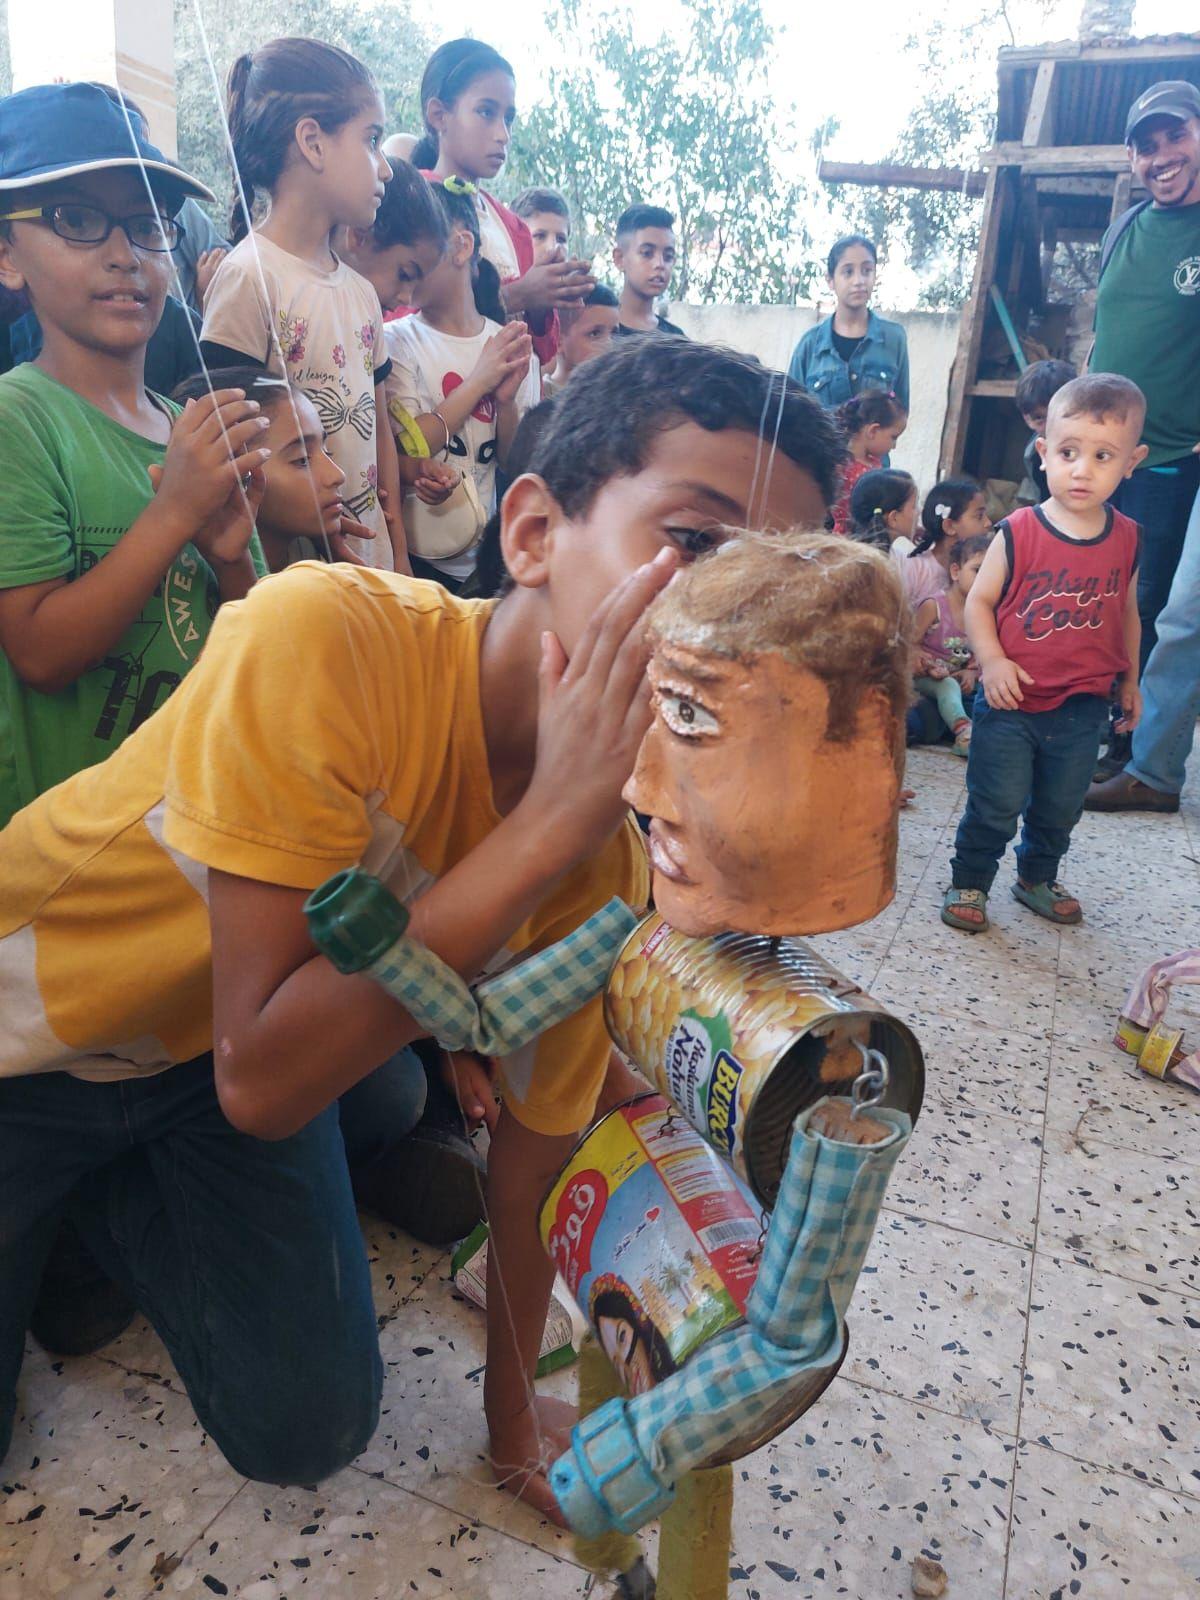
(686,121)
(935,231)
(387,38)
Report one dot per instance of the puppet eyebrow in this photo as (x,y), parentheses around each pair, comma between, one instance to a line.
(695,672)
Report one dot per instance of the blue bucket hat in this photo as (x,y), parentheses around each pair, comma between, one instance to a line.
(59,130)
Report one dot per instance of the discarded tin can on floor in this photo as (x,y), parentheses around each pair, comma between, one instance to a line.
(659,1244)
(744,1032)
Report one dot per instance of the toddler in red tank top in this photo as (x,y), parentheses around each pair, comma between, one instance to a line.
(1053,621)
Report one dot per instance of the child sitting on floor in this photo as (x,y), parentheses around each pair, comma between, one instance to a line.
(947,670)
(303,516)
(871,424)
(954,509)
(883,510)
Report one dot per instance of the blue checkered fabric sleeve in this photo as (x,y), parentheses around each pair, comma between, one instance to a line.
(818,1238)
(504,1013)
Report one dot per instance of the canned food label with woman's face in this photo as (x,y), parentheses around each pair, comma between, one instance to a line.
(654,1238)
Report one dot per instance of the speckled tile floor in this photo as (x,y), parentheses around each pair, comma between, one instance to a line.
(1021,1400)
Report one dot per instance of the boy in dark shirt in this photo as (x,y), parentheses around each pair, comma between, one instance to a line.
(645,253)
(1036,387)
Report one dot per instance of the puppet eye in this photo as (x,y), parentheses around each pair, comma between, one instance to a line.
(685,716)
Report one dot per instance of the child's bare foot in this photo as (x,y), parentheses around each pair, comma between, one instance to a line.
(907,796)
(524,1447)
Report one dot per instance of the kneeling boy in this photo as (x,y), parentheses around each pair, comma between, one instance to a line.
(473,754)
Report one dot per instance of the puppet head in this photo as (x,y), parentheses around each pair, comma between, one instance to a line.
(781,671)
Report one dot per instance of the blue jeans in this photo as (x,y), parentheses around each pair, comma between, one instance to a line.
(1031,764)
(1162,741)
(245,1254)
(1161,499)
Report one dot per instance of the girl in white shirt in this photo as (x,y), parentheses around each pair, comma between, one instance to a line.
(458,372)
(306,124)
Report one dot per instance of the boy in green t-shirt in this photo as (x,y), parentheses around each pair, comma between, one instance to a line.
(123,523)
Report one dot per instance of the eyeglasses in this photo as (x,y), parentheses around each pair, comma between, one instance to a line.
(148,230)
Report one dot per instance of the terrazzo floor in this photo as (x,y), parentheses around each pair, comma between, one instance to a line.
(1020,1402)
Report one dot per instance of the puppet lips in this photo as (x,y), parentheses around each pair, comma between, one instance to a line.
(663,855)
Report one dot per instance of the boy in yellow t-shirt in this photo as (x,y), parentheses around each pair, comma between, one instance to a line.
(470,752)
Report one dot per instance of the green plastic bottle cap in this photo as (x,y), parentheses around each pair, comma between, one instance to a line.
(354,918)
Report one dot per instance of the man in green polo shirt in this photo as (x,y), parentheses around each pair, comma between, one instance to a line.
(1148,329)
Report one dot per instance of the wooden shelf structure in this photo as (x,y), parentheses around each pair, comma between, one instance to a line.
(1055,177)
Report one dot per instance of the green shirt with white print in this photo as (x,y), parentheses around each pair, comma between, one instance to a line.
(1148,324)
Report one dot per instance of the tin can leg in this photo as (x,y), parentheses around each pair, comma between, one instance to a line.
(695,1537)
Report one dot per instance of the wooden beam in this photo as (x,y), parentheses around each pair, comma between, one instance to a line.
(1039,119)
(1122,190)
(970,329)
(1187,48)
(1025,281)
(887,175)
(1058,159)
(994,389)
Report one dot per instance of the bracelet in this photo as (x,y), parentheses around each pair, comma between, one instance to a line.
(445,444)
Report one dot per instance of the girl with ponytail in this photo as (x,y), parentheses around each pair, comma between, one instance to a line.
(461,377)
(468,106)
(306,126)
(871,425)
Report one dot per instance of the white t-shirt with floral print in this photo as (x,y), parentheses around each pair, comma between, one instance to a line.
(324,332)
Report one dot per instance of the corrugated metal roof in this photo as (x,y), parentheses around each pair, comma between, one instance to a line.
(1094,85)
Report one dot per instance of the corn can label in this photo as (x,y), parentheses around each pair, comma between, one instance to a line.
(1159,1049)
(1129,1037)
(708,1020)
(655,1239)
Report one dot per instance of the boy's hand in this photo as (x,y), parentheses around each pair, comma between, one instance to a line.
(212,465)
(556,283)
(339,550)
(469,1078)
(1002,680)
(592,713)
(1130,698)
(968,679)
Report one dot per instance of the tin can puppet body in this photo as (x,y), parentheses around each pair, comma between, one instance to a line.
(743,1033)
(659,1244)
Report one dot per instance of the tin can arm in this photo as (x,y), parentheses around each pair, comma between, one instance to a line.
(627,1457)
(361,926)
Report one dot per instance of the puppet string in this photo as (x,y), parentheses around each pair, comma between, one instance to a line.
(519,1475)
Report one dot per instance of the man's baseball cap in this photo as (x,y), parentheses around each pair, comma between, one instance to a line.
(59,130)
(1171,98)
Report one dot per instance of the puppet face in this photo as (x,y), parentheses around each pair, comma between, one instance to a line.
(761,822)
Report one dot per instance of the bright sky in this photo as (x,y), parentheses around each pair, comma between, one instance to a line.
(828,66)
(834,63)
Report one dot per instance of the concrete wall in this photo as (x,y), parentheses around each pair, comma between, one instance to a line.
(130,43)
(771,332)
